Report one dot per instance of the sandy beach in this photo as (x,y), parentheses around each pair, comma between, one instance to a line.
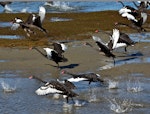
(80,59)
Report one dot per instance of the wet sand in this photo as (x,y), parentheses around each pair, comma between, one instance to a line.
(25,62)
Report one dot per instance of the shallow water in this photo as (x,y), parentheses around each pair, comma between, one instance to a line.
(5,24)
(140,37)
(57,19)
(18,96)
(127,60)
(85,6)
(11,37)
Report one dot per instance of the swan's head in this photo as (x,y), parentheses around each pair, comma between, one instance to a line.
(18,20)
(30,48)
(63,72)
(31,77)
(96,31)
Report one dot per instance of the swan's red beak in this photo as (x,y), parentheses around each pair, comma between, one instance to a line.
(63,72)
(30,48)
(116,23)
(30,77)
(96,31)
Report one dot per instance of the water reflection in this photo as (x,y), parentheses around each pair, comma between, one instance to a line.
(2,61)
(130,60)
(58,19)
(140,37)
(5,24)
(11,36)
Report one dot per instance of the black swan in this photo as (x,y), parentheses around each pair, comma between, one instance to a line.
(51,54)
(91,77)
(33,21)
(53,87)
(124,39)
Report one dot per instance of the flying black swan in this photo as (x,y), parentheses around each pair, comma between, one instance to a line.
(55,87)
(124,40)
(127,6)
(4,4)
(51,54)
(33,21)
(90,77)
(143,5)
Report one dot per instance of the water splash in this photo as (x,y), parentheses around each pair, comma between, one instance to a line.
(92,96)
(134,86)
(79,103)
(56,96)
(123,106)
(67,107)
(108,66)
(7,88)
(120,106)
(112,84)
(62,6)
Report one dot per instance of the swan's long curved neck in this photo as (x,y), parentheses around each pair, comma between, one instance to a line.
(135,4)
(105,32)
(121,3)
(40,52)
(39,79)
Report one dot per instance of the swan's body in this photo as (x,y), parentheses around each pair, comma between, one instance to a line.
(55,87)
(55,56)
(90,77)
(103,47)
(51,54)
(59,47)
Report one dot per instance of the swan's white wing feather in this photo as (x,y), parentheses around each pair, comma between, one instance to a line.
(115,37)
(144,16)
(98,39)
(129,17)
(124,10)
(64,47)
(42,13)
(44,90)
(48,52)
(120,45)
(76,79)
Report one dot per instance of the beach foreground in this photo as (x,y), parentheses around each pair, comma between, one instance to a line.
(81,59)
